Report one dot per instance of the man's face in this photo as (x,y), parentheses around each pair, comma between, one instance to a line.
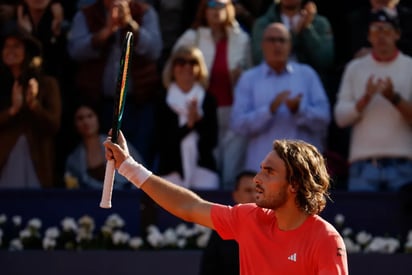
(382,35)
(291,4)
(245,192)
(380,4)
(272,189)
(276,45)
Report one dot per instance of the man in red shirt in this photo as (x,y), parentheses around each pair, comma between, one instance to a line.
(281,233)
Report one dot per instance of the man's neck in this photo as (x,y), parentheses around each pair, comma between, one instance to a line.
(278,67)
(290,218)
(385,56)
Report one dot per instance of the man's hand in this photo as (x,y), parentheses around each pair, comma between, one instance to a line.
(32,93)
(193,114)
(58,17)
(117,152)
(386,88)
(293,103)
(307,15)
(372,87)
(279,99)
(16,98)
(23,20)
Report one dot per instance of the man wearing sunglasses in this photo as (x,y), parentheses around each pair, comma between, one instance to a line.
(375,99)
(279,99)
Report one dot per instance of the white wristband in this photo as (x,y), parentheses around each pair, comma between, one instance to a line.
(134,172)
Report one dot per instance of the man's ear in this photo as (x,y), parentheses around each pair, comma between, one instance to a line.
(293,187)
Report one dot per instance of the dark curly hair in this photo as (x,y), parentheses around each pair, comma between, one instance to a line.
(306,171)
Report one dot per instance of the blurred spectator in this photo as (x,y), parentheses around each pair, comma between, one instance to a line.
(221,257)
(175,17)
(357,42)
(186,123)
(7,12)
(226,48)
(248,10)
(30,111)
(44,19)
(95,42)
(375,99)
(86,165)
(311,33)
(279,99)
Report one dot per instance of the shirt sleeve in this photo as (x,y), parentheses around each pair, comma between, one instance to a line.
(79,44)
(314,110)
(331,256)
(150,40)
(245,118)
(345,111)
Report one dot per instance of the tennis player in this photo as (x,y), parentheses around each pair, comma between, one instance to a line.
(282,232)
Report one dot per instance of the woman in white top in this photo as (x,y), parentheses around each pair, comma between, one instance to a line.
(186,123)
(226,48)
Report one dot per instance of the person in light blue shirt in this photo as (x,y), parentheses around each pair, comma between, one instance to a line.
(279,99)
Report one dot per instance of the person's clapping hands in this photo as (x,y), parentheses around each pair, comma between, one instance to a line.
(307,15)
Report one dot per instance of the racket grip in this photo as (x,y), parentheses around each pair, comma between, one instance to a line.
(106,201)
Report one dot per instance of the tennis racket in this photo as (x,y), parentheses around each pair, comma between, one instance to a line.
(119,102)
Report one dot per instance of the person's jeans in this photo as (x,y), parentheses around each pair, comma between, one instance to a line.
(380,174)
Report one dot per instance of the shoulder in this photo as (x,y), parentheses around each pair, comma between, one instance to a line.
(321,20)
(357,63)
(321,227)
(254,72)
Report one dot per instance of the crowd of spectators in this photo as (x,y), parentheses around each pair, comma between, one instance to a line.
(236,75)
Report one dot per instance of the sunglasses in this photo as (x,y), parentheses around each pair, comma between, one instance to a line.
(272,39)
(381,28)
(180,61)
(215,4)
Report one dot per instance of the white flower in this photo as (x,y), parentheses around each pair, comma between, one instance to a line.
(26,233)
(181,243)
(87,222)
(16,220)
(49,243)
(135,243)
(69,224)
(184,231)
(339,219)
(120,237)
(16,245)
(347,231)
(34,223)
(409,238)
(83,234)
(203,239)
(383,245)
(170,237)
(155,239)
(152,229)
(115,221)
(106,230)
(200,228)
(351,247)
(363,237)
(408,246)
(52,233)
(3,218)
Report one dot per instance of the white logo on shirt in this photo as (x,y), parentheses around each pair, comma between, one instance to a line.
(292,257)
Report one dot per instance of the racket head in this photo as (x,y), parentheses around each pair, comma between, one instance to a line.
(121,85)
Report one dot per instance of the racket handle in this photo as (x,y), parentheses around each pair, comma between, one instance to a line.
(106,201)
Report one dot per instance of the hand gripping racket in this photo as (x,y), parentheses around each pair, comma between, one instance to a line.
(119,102)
